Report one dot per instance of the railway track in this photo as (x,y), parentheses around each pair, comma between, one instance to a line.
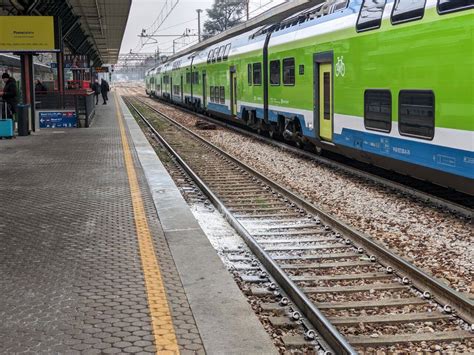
(355,293)
(439,196)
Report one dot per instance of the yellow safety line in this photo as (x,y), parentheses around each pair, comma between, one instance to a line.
(163,330)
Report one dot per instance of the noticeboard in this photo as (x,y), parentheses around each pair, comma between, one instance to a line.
(76,61)
(29,34)
(57,119)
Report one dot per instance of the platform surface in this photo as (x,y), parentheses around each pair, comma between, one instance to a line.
(94,259)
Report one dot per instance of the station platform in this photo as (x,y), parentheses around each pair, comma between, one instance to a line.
(99,253)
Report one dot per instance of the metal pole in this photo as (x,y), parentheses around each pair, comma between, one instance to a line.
(199,24)
(247,8)
(174,44)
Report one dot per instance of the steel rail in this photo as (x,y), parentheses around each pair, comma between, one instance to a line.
(442,293)
(334,339)
(423,196)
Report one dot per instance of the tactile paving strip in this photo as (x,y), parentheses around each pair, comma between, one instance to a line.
(71,272)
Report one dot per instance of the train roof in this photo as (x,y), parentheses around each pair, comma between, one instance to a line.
(253,40)
(330,16)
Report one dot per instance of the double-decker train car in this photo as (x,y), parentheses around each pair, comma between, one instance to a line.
(390,83)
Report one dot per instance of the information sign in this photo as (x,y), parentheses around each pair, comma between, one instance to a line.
(76,61)
(57,119)
(28,34)
(101,69)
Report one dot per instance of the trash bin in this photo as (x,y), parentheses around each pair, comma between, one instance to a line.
(23,112)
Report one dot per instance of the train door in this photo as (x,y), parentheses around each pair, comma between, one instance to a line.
(161,86)
(182,89)
(171,88)
(323,87)
(204,89)
(233,91)
(325,101)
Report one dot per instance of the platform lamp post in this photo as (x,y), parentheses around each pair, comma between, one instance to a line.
(199,24)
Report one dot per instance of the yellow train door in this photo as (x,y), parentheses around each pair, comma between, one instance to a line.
(325,101)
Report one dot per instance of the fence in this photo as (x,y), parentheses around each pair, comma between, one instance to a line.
(80,101)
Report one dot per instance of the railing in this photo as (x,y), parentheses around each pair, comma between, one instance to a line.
(81,101)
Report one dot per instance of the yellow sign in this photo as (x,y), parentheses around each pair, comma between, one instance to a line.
(27,34)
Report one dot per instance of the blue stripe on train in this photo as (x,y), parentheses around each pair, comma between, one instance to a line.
(450,160)
(218,108)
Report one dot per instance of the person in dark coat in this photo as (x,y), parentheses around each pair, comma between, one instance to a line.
(96,88)
(104,89)
(10,95)
(39,87)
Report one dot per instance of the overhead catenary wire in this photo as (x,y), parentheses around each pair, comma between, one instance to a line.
(239,18)
(165,12)
(155,27)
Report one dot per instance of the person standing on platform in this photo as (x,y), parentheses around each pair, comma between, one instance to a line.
(39,87)
(104,89)
(10,95)
(96,88)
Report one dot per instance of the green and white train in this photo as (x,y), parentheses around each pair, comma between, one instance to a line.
(390,83)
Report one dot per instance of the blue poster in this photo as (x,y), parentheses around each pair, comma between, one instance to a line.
(65,119)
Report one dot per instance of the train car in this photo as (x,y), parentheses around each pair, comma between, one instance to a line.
(166,81)
(177,75)
(158,82)
(186,64)
(384,82)
(147,82)
(153,82)
(198,99)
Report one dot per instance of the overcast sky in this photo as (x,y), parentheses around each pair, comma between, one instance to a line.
(144,12)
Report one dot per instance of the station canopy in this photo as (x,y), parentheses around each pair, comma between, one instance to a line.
(91,27)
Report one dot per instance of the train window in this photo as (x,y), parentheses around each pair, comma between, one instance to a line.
(327,95)
(209,55)
(339,5)
(257,73)
(212,94)
(378,110)
(416,113)
(249,74)
(220,53)
(301,69)
(289,71)
(222,95)
(226,52)
(188,78)
(370,15)
(275,72)
(407,10)
(446,6)
(195,77)
(215,54)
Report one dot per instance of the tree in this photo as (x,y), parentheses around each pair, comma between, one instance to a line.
(223,15)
